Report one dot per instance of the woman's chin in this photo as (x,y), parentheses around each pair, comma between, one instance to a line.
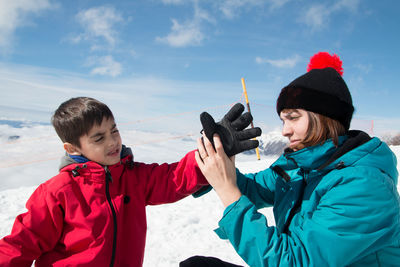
(296,146)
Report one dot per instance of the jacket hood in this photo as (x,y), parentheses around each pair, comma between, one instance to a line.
(66,160)
(374,153)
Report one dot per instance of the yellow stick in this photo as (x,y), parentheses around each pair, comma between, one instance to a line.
(248,108)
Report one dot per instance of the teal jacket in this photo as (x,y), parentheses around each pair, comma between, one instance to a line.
(332,207)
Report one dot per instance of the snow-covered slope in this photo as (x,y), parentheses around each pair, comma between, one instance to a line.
(30,155)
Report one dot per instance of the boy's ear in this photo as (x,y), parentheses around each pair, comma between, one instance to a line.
(71,149)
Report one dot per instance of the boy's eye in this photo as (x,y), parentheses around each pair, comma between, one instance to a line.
(98,139)
(115,131)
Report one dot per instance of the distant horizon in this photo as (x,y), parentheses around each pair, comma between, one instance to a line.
(191,129)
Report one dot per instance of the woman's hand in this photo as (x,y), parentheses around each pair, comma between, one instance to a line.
(218,169)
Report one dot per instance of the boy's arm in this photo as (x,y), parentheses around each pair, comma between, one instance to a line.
(168,183)
(33,232)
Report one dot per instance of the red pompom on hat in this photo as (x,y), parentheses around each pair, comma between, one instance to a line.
(323,60)
(321,90)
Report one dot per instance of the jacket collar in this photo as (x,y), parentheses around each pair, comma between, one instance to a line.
(311,158)
(323,155)
(67,160)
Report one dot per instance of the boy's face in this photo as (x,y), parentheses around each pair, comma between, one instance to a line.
(102,144)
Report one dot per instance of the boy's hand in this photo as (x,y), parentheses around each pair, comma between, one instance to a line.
(231,129)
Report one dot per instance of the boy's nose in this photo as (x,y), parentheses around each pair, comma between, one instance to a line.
(114,140)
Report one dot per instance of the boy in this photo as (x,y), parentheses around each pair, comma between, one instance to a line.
(93,212)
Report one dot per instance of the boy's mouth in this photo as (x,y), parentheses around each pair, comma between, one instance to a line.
(114,153)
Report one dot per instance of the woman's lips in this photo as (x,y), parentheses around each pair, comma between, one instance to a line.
(294,142)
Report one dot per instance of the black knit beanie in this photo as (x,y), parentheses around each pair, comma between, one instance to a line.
(321,90)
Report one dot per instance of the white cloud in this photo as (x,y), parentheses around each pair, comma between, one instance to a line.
(191,32)
(231,8)
(280,63)
(187,33)
(182,35)
(351,5)
(105,65)
(15,13)
(317,16)
(364,68)
(201,14)
(98,24)
(174,2)
(99,31)
(275,4)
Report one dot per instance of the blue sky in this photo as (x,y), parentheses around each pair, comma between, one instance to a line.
(158,57)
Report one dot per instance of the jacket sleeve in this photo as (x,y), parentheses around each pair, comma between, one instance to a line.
(258,187)
(33,232)
(353,218)
(167,183)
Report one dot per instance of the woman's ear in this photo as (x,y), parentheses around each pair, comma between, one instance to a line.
(71,149)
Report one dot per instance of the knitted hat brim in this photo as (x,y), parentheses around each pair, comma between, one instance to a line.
(315,101)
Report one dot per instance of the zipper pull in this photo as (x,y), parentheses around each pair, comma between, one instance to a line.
(75,172)
(340,165)
(306,174)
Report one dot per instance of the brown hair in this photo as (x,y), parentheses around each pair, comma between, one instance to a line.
(321,128)
(76,117)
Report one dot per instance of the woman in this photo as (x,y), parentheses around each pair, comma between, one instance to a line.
(333,190)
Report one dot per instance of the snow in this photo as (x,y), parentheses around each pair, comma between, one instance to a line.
(30,155)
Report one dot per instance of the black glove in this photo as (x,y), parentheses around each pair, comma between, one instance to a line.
(231,130)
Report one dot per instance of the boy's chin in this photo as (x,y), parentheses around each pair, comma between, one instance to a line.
(110,162)
(115,161)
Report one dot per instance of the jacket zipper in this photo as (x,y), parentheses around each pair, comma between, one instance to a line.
(108,180)
(297,204)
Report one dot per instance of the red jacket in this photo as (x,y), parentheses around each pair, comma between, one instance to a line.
(71,217)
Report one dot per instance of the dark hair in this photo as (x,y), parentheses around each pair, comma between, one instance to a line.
(76,117)
(322,128)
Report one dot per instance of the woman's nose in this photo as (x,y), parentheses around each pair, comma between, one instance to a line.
(286,130)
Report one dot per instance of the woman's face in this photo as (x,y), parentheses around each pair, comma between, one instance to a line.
(295,126)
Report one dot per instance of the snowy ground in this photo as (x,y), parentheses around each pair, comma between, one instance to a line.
(175,231)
